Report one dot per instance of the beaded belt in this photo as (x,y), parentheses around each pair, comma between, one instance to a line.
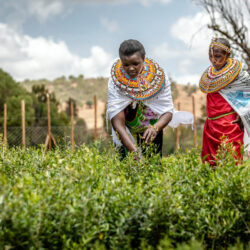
(217,117)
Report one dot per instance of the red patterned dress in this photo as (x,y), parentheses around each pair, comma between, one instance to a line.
(220,114)
(219,123)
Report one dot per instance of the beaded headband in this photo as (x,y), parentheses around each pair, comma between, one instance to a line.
(220,45)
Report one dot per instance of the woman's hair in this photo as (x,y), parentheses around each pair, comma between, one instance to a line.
(131,46)
(223,41)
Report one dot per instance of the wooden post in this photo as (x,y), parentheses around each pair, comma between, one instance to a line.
(195,124)
(49,122)
(95,114)
(72,124)
(178,132)
(49,138)
(23,123)
(5,124)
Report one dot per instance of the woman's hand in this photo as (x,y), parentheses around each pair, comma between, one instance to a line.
(150,134)
(118,123)
(239,121)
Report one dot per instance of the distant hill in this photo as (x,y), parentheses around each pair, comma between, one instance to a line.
(82,90)
(78,88)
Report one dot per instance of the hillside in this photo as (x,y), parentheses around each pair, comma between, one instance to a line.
(82,90)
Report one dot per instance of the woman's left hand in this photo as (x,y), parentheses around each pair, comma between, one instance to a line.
(152,130)
(149,135)
(239,121)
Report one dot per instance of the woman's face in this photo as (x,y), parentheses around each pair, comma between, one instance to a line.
(133,64)
(218,58)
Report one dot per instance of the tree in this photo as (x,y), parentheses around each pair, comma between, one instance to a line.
(8,88)
(68,108)
(230,19)
(40,106)
(81,77)
(174,89)
(72,78)
(12,93)
(89,104)
(14,110)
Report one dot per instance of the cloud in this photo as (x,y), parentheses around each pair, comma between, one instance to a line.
(27,57)
(110,25)
(143,2)
(193,32)
(40,9)
(164,52)
(150,2)
(187,78)
(185,65)
(43,9)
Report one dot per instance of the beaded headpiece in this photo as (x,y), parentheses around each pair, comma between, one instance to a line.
(220,45)
(213,81)
(146,85)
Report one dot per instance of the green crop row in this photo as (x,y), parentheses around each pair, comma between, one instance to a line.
(87,199)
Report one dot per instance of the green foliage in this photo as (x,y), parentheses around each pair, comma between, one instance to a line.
(40,106)
(85,199)
(8,87)
(12,93)
(14,110)
(89,103)
(203,114)
(174,90)
(81,122)
(35,103)
(68,108)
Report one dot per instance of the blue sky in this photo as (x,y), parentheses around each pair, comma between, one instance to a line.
(51,38)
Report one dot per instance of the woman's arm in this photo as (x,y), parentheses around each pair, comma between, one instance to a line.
(151,132)
(118,123)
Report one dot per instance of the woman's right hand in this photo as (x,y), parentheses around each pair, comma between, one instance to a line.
(118,123)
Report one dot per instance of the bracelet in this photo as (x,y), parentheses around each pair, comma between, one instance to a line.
(154,127)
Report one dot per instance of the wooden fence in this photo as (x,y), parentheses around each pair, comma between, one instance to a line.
(50,140)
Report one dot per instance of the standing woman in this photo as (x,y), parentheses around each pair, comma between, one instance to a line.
(139,99)
(226,85)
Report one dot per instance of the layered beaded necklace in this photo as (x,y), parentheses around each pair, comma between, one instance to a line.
(146,85)
(212,80)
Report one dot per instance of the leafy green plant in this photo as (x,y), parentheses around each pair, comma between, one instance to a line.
(89,199)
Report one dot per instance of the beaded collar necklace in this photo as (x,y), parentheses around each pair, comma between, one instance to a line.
(146,85)
(213,81)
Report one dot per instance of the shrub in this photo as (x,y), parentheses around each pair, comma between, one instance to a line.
(85,199)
